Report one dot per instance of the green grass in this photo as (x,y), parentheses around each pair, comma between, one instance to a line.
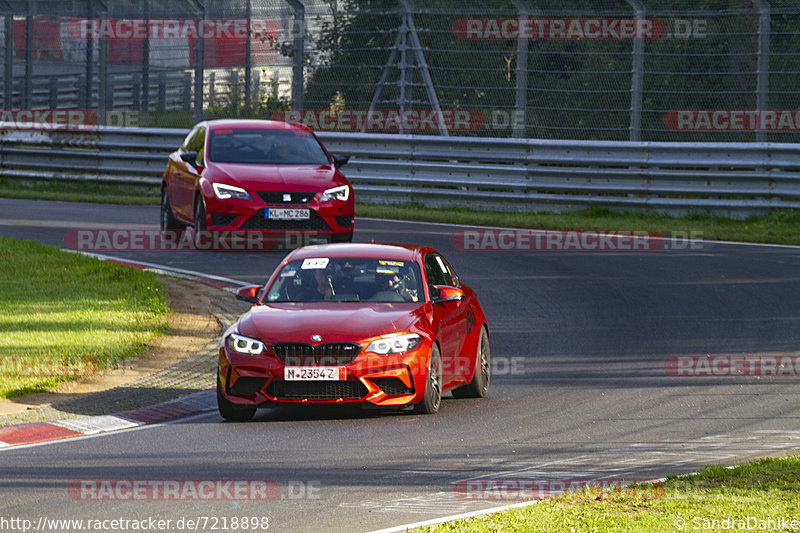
(69,191)
(781,227)
(763,489)
(60,310)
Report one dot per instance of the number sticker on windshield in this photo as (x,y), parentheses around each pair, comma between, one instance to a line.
(314,263)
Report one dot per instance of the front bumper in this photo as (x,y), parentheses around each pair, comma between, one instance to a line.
(393,380)
(331,221)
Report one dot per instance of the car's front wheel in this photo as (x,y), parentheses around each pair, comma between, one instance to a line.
(199,214)
(479,385)
(230,411)
(433,385)
(168,221)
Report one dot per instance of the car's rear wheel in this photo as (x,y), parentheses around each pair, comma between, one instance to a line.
(433,385)
(168,221)
(479,385)
(230,411)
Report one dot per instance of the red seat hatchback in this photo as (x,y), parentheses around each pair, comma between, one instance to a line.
(257,175)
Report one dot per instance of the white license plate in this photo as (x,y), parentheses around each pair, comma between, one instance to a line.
(287,214)
(314,373)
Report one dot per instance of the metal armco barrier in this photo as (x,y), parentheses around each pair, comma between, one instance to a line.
(735,179)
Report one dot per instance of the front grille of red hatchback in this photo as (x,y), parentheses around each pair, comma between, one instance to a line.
(317,390)
(328,354)
(314,223)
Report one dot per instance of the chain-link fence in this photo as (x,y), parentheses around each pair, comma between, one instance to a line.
(724,70)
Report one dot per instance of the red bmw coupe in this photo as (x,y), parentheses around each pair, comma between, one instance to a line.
(257,175)
(377,324)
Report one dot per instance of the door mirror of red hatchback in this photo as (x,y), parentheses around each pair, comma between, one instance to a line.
(446,293)
(249,293)
(340,160)
(189,157)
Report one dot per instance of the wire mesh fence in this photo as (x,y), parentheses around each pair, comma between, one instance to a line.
(719,70)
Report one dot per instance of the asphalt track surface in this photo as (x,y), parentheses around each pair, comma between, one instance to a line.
(580,389)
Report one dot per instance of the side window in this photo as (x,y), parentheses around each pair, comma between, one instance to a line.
(439,272)
(198,144)
(451,274)
(188,140)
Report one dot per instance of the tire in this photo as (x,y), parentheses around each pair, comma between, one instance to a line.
(230,411)
(479,385)
(199,214)
(168,221)
(433,385)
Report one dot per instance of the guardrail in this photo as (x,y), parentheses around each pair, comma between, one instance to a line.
(509,174)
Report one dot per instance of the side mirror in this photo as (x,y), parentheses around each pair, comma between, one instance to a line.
(340,160)
(189,157)
(249,293)
(446,293)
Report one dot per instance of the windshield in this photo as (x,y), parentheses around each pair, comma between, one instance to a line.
(265,147)
(352,279)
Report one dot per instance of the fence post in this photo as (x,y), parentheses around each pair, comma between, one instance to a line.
(136,94)
(145,102)
(233,95)
(212,97)
(187,91)
(199,64)
(8,60)
(637,74)
(87,78)
(28,81)
(162,91)
(52,100)
(762,67)
(248,63)
(298,53)
(521,98)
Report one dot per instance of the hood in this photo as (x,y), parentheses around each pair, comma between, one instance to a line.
(275,177)
(334,322)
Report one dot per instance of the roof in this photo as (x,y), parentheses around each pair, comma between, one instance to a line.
(404,252)
(247,123)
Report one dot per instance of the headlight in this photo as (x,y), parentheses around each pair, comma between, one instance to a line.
(246,345)
(394,344)
(337,193)
(225,192)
